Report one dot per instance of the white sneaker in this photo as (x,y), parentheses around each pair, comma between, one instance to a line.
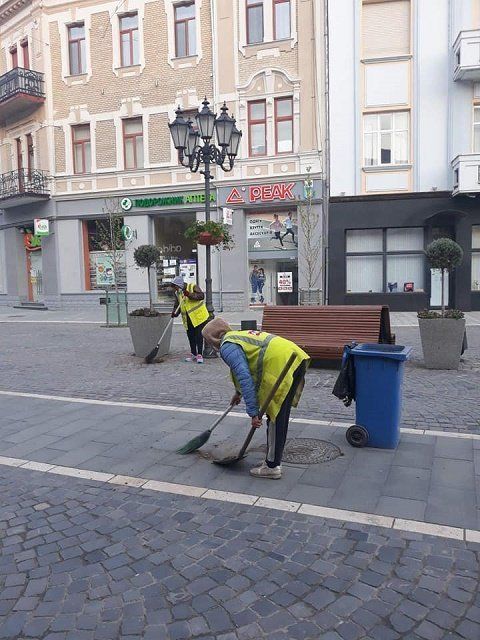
(264,471)
(199,359)
(191,358)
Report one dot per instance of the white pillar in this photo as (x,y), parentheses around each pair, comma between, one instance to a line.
(137,282)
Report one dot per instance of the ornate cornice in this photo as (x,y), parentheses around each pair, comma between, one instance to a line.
(10,8)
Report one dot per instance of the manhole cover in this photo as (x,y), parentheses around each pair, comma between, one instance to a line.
(308,451)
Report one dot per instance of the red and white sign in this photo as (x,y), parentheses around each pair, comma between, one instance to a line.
(235,197)
(284,282)
(263,193)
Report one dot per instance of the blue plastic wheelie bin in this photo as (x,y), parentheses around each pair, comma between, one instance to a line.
(379,370)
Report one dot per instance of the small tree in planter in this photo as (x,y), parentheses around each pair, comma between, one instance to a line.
(146,256)
(442,333)
(146,324)
(210,233)
(444,254)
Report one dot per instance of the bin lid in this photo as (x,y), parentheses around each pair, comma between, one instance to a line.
(391,351)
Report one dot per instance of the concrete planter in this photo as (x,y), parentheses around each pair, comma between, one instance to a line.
(442,340)
(146,331)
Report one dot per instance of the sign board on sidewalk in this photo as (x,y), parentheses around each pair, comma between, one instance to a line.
(284,282)
(41,227)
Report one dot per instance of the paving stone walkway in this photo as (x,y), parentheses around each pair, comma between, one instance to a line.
(83,561)
(429,478)
(91,361)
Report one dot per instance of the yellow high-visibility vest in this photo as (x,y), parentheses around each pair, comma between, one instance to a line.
(195,309)
(267,355)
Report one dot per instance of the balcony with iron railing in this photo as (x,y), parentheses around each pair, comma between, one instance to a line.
(21,92)
(23,186)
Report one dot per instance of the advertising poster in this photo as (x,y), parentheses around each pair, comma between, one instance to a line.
(227,216)
(285,282)
(266,233)
(105,274)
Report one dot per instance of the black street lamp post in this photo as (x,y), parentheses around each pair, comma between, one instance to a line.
(192,154)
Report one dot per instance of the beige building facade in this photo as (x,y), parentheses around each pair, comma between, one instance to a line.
(86,93)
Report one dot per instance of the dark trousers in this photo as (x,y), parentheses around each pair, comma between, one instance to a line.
(277,431)
(195,337)
(289,232)
(278,237)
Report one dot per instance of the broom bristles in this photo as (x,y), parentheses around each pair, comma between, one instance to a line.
(151,356)
(195,443)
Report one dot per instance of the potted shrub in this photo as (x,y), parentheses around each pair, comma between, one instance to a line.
(147,324)
(442,332)
(210,233)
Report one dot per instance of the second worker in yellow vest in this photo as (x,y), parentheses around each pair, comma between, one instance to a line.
(190,303)
(256,359)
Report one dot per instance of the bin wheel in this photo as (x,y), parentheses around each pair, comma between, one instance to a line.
(357,436)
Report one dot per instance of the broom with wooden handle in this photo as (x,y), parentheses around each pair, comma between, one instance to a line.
(232,459)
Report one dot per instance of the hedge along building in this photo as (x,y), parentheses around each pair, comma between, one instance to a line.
(97,126)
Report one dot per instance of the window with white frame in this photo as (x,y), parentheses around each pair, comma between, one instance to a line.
(76,49)
(385,260)
(281,19)
(133,143)
(255,27)
(129,41)
(283,111)
(476,257)
(257,128)
(82,150)
(185,29)
(386,138)
(476,129)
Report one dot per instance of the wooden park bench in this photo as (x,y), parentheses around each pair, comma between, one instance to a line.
(323,331)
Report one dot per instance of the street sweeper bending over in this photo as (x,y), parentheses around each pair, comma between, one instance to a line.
(256,359)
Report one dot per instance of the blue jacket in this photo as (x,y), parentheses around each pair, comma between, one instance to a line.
(234,356)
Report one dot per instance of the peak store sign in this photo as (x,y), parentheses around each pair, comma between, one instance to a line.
(261,193)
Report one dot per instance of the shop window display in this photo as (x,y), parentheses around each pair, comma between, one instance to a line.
(100,255)
(385,260)
(272,258)
(179,255)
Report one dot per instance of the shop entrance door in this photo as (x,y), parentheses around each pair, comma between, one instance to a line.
(35,275)
(273,282)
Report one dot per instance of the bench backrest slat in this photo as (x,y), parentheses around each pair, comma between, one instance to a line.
(323,331)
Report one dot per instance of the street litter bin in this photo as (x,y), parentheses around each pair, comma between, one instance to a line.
(117,309)
(379,370)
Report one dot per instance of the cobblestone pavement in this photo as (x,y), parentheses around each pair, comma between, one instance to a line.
(91,361)
(84,561)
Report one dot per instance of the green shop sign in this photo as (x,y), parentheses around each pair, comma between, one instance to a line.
(164,201)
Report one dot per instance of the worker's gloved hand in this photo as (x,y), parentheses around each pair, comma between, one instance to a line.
(235,399)
(173,314)
(186,293)
(256,422)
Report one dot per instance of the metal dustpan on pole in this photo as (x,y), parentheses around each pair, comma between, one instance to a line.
(232,459)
